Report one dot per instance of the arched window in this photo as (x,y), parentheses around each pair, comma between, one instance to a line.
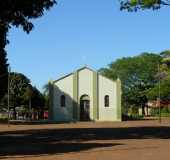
(106,101)
(63,101)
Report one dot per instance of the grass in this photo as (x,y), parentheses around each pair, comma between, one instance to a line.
(165,112)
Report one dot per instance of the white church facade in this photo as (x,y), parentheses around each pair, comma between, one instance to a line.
(85,95)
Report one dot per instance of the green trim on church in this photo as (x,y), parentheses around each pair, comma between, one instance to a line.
(95,96)
(75,97)
(119,94)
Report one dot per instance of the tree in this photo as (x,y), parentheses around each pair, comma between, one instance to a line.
(18,13)
(152,93)
(46,93)
(34,99)
(166,59)
(23,94)
(3,74)
(137,75)
(164,77)
(28,97)
(38,100)
(3,64)
(134,5)
(18,88)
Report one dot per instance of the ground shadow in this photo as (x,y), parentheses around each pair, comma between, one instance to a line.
(48,148)
(58,141)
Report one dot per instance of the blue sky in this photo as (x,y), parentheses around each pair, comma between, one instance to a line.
(79,32)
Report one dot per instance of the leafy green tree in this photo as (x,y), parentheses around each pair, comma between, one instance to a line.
(137,75)
(18,13)
(166,59)
(134,5)
(46,95)
(38,100)
(28,97)
(18,87)
(22,93)
(164,76)
(34,99)
(152,93)
(3,64)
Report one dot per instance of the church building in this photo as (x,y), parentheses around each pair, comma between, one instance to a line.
(85,95)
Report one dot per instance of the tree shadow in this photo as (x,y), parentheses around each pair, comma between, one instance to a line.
(60,141)
(45,142)
(46,148)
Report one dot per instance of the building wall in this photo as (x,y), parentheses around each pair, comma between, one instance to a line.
(107,87)
(85,87)
(63,87)
(85,83)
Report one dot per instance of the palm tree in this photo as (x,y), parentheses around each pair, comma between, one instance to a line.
(46,93)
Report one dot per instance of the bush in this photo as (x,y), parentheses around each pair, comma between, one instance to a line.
(131,117)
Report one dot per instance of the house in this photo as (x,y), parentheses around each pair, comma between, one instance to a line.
(85,95)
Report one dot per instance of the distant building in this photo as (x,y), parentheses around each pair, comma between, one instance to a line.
(85,95)
(156,104)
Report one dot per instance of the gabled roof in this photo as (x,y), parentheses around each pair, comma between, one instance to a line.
(80,69)
(85,67)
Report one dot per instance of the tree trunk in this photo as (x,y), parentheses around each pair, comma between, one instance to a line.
(143,110)
(3,60)
(15,114)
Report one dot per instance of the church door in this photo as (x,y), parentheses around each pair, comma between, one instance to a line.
(84,108)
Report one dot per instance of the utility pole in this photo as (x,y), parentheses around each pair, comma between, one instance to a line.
(29,91)
(159,94)
(30,107)
(9,71)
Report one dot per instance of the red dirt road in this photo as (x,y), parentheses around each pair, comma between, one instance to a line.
(142,140)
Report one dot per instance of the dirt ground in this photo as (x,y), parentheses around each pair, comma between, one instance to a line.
(142,140)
